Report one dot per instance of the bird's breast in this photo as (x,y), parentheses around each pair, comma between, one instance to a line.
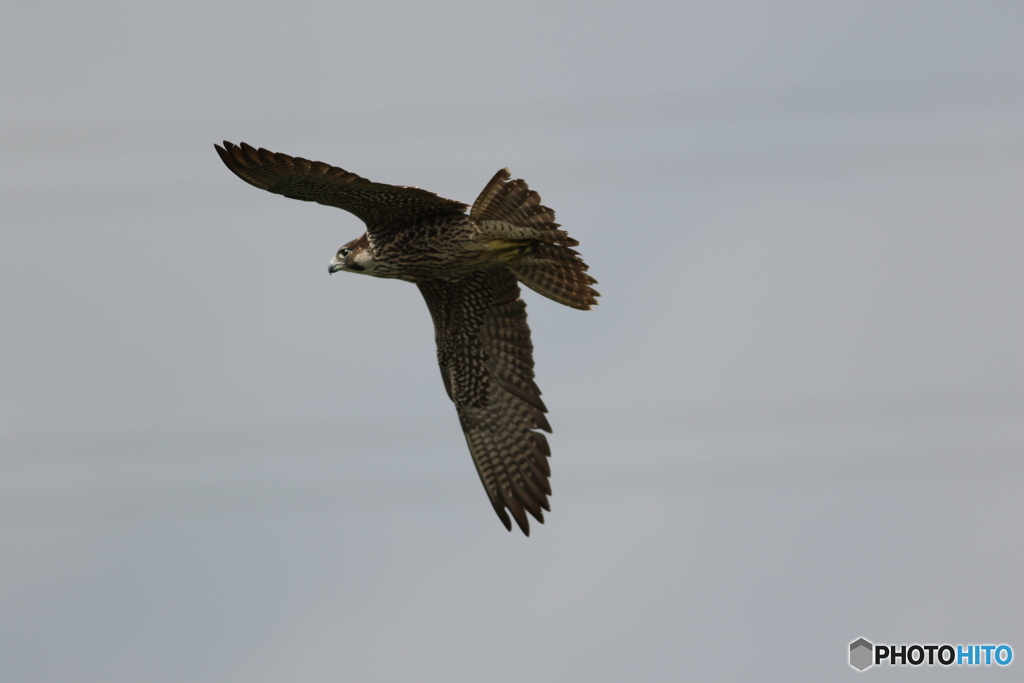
(442,248)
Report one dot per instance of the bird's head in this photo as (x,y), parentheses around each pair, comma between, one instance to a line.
(354,256)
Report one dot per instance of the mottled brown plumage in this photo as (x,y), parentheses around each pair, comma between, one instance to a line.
(468,268)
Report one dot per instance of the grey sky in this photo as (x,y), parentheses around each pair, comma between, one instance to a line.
(794,420)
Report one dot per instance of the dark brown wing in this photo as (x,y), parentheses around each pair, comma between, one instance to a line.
(382,207)
(486,359)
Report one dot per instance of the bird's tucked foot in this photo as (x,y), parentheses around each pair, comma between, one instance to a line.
(507,250)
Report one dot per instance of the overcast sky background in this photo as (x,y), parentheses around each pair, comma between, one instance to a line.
(794,420)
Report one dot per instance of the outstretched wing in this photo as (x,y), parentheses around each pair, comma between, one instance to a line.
(382,207)
(486,359)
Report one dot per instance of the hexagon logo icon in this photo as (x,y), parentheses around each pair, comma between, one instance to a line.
(860,654)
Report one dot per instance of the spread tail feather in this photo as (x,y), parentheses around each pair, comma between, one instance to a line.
(510,209)
(511,215)
(559,274)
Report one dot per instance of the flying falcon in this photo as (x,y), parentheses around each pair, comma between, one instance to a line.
(468,268)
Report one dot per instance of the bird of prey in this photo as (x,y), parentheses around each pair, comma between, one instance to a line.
(468,268)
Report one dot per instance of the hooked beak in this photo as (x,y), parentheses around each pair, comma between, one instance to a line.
(334,266)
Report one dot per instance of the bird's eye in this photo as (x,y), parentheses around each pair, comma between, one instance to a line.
(344,252)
